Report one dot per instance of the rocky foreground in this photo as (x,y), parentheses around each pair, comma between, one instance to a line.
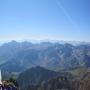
(10,84)
(62,83)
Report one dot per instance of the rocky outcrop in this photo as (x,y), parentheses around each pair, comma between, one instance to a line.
(63,83)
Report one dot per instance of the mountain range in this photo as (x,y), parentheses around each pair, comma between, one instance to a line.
(20,56)
(46,65)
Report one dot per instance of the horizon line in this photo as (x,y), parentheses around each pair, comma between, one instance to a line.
(43,40)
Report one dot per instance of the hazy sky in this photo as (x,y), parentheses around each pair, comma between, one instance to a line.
(45,19)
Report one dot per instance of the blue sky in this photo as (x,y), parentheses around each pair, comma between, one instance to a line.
(45,19)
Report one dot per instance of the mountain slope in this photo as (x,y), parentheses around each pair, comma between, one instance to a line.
(63,83)
(35,76)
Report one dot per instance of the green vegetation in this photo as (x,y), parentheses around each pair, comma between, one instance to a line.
(79,71)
